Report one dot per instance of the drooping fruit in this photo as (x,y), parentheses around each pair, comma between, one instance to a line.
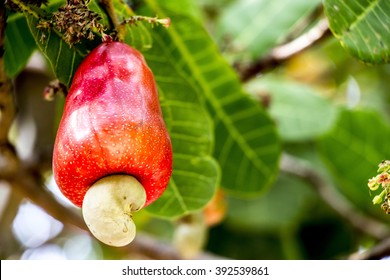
(112,154)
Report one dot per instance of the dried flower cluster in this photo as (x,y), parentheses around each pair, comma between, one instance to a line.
(77,21)
(74,20)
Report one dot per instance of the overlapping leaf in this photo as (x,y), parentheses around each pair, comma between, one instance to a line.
(246,144)
(19,44)
(300,112)
(195,173)
(264,25)
(278,209)
(362,27)
(353,150)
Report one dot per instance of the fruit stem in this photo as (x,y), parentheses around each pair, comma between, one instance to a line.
(109,7)
(108,207)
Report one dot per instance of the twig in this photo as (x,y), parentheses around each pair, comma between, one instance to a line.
(283,52)
(301,43)
(334,199)
(302,25)
(377,252)
(156,249)
(25,8)
(27,182)
(8,241)
(165,22)
(7,109)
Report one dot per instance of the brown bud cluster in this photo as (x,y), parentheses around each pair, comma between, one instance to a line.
(77,21)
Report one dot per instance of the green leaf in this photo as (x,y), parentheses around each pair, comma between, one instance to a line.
(352,152)
(195,173)
(299,110)
(362,27)
(19,45)
(257,26)
(64,59)
(189,8)
(246,143)
(192,185)
(280,208)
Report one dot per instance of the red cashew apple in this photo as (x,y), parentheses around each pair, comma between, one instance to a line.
(112,154)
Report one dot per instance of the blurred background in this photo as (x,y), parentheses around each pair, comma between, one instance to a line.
(319,206)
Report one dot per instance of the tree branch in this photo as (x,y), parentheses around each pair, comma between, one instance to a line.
(334,199)
(143,245)
(28,183)
(7,108)
(8,242)
(281,53)
(377,252)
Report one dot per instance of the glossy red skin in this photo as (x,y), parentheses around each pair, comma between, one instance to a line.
(112,124)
